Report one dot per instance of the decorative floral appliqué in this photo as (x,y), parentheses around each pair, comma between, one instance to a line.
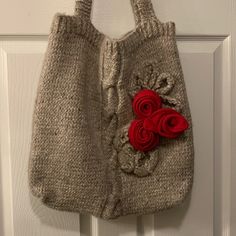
(152,122)
(157,120)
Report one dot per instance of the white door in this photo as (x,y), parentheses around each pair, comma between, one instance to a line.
(206,32)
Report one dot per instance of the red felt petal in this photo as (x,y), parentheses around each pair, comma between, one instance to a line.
(146,102)
(169,123)
(142,139)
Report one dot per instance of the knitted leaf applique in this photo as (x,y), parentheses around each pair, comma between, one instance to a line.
(149,77)
(132,161)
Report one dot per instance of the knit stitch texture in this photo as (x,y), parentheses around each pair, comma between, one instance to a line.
(81,159)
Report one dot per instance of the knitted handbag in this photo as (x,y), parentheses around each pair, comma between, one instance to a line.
(112,131)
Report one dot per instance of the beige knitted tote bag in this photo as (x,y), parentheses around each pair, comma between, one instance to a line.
(112,132)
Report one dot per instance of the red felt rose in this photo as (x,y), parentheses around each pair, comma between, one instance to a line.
(167,123)
(146,102)
(142,139)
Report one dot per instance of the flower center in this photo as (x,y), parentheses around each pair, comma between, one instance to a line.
(172,122)
(146,107)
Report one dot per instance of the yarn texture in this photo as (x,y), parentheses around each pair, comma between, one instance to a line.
(81,158)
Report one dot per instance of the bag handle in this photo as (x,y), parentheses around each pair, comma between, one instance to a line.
(83,8)
(142,9)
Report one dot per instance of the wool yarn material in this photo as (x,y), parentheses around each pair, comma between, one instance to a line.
(81,159)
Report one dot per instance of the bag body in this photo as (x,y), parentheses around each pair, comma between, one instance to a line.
(81,157)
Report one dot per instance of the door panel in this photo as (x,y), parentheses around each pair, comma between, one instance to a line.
(206,57)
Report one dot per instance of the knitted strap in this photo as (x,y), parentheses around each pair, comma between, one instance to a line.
(83,8)
(142,9)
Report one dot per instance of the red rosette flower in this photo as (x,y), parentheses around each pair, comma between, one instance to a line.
(142,139)
(146,102)
(167,123)
(153,121)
